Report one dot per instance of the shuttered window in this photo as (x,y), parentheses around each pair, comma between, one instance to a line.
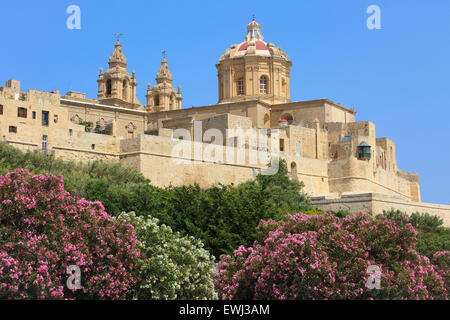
(21,112)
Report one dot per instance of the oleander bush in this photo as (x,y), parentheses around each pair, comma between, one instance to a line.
(433,236)
(441,260)
(173,266)
(326,257)
(44,229)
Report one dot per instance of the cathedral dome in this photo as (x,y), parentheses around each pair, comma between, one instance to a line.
(257,47)
(253,43)
(254,70)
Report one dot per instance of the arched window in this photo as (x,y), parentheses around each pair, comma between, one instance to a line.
(157,100)
(240,87)
(288,117)
(266,120)
(263,85)
(294,170)
(108,86)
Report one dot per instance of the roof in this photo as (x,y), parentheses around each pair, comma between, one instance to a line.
(257,47)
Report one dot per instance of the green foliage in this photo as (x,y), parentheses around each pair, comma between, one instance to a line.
(425,222)
(223,217)
(341,213)
(280,189)
(173,266)
(87,125)
(77,176)
(432,235)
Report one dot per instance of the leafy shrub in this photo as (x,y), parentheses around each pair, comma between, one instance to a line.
(76,175)
(326,257)
(441,260)
(284,191)
(222,217)
(433,236)
(44,229)
(174,267)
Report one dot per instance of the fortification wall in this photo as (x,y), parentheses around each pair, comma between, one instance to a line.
(375,203)
(166,161)
(313,173)
(353,175)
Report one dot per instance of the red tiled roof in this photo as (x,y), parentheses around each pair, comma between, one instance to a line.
(259,46)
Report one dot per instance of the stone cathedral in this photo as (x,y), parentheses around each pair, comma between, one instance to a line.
(341,161)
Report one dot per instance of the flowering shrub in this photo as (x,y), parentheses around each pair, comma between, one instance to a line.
(326,257)
(174,267)
(441,260)
(44,229)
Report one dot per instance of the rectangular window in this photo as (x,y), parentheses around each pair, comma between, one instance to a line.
(1,109)
(33,114)
(44,144)
(263,85)
(45,118)
(281,144)
(240,86)
(297,149)
(70,132)
(22,112)
(12,129)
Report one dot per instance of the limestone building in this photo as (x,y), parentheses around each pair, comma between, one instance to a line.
(342,162)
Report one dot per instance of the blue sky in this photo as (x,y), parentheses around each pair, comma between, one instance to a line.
(397,77)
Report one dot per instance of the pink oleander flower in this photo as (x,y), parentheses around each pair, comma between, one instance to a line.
(326,257)
(45,229)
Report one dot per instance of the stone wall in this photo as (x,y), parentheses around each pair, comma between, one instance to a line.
(155,157)
(375,203)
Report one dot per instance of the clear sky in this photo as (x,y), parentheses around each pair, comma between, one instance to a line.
(397,77)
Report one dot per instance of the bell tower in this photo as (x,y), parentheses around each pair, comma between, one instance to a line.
(116,87)
(253,70)
(163,96)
